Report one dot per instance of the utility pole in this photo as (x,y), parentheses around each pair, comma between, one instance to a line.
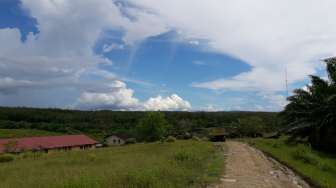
(286,80)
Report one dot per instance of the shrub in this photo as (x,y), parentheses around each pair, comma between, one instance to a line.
(6,158)
(171,139)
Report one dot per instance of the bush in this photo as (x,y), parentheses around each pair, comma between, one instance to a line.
(171,139)
(6,158)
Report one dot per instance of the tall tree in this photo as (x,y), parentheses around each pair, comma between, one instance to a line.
(312,111)
(153,126)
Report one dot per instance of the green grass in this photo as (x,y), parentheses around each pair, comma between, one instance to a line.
(155,165)
(320,168)
(19,133)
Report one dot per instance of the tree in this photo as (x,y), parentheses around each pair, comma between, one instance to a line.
(152,127)
(311,112)
(249,126)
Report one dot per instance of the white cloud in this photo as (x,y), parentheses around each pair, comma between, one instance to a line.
(118,97)
(211,108)
(61,55)
(194,42)
(173,102)
(257,80)
(113,46)
(269,35)
(275,101)
(62,49)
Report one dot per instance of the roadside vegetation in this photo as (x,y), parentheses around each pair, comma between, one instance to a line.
(311,112)
(319,167)
(159,164)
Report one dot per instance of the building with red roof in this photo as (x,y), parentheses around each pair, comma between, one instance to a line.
(46,143)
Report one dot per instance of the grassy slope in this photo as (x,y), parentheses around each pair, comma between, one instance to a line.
(319,167)
(178,164)
(19,133)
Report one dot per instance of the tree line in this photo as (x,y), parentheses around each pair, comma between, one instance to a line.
(106,122)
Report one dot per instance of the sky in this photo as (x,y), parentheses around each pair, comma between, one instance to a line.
(191,55)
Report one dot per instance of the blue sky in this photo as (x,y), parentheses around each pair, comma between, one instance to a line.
(135,55)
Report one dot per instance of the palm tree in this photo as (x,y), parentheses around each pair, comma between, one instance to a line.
(311,112)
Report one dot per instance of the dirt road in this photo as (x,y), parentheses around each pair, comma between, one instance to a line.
(247,167)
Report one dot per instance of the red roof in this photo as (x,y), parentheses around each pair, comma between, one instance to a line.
(47,142)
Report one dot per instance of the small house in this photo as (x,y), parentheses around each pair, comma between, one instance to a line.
(115,140)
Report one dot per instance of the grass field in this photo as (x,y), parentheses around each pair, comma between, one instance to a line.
(19,133)
(161,165)
(318,167)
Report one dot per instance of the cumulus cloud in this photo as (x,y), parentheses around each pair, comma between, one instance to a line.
(119,97)
(173,102)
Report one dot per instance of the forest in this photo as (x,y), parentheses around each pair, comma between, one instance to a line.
(103,123)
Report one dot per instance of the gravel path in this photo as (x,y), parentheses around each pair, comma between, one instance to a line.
(247,167)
